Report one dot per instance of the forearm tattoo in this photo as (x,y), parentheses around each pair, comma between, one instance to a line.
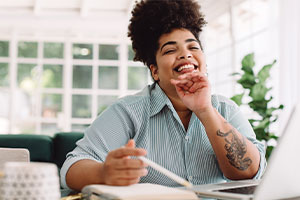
(236,149)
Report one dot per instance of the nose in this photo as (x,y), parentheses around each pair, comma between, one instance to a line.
(184,54)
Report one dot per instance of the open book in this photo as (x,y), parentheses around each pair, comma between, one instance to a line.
(142,191)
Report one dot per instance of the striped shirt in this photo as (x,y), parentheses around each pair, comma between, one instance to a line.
(151,120)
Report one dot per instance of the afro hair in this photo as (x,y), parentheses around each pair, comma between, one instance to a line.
(153,18)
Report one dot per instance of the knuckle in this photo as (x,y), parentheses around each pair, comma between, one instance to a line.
(125,162)
(128,172)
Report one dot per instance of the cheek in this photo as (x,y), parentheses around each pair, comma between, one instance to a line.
(202,62)
(165,63)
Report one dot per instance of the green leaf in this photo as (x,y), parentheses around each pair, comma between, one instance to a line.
(281,106)
(237,98)
(264,73)
(272,136)
(260,133)
(271,110)
(259,106)
(235,73)
(247,80)
(258,92)
(269,151)
(248,70)
(248,63)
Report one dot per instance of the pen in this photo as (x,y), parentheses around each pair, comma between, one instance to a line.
(166,172)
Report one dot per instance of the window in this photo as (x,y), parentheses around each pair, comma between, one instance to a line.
(249,26)
(63,86)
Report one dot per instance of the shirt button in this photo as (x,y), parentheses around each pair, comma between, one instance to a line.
(187,138)
(190,178)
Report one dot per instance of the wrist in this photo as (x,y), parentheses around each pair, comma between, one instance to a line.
(206,113)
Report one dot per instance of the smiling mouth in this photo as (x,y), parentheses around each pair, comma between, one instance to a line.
(185,67)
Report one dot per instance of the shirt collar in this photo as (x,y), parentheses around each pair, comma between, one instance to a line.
(158,99)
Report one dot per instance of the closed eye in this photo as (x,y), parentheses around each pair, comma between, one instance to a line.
(169,51)
(194,47)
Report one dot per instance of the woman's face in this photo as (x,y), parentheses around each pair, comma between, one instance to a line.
(179,52)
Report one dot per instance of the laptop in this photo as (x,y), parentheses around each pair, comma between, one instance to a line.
(281,179)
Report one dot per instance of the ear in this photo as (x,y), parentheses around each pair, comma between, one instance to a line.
(154,72)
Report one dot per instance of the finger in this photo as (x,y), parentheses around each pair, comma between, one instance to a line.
(197,86)
(125,151)
(130,144)
(123,182)
(131,173)
(187,76)
(128,163)
(183,87)
(192,75)
(182,83)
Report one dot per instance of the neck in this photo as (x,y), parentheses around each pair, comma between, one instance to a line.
(183,112)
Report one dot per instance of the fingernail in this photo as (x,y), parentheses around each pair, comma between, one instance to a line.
(145,172)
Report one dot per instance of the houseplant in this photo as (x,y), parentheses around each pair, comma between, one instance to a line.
(255,96)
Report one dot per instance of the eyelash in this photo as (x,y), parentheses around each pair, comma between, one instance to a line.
(172,50)
(169,51)
(194,47)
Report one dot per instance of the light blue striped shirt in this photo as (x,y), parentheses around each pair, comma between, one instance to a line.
(151,120)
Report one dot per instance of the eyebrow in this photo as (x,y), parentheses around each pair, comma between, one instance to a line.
(173,42)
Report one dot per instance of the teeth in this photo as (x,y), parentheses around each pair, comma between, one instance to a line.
(185,67)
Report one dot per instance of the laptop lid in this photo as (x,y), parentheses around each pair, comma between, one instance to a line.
(282,176)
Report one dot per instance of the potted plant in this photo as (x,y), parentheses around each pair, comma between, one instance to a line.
(255,88)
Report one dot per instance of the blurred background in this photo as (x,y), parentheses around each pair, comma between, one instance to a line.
(62,62)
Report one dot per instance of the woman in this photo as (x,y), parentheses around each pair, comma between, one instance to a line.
(175,122)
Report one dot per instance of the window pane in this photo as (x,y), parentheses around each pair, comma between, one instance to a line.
(104,102)
(4,48)
(130,53)
(4,125)
(81,106)
(218,33)
(261,11)
(79,127)
(108,52)
(27,49)
(4,110)
(53,50)
(108,77)
(137,77)
(26,76)
(82,51)
(24,126)
(4,74)
(51,105)
(49,129)
(242,15)
(52,76)
(82,76)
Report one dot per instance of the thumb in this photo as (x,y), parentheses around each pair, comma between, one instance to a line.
(130,144)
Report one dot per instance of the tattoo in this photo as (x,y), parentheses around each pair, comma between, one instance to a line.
(236,149)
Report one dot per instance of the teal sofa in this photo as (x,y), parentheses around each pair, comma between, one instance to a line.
(44,148)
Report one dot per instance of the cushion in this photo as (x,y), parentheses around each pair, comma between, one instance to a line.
(64,142)
(39,146)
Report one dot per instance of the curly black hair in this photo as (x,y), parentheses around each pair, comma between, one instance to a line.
(153,18)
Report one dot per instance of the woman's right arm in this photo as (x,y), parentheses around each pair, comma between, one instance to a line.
(118,169)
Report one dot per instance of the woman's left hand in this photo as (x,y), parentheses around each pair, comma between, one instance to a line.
(194,90)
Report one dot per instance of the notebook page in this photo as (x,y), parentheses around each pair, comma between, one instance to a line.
(144,191)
